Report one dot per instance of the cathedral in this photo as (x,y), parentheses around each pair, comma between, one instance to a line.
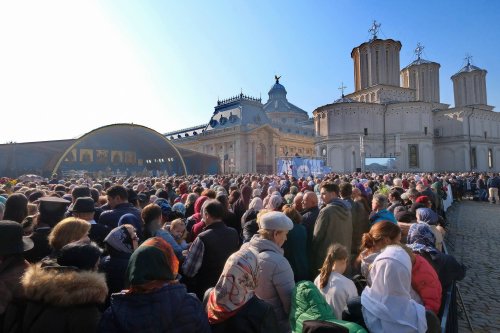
(393,113)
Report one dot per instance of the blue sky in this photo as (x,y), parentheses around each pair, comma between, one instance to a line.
(68,67)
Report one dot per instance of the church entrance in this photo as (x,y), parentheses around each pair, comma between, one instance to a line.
(262,164)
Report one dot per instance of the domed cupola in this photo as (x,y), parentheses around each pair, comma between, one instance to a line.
(470,85)
(277,90)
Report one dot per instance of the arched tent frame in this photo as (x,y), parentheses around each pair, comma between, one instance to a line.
(130,127)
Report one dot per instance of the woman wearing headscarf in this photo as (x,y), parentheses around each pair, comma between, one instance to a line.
(194,224)
(429,217)
(135,222)
(421,240)
(249,219)
(154,301)
(387,304)
(275,282)
(232,305)
(120,243)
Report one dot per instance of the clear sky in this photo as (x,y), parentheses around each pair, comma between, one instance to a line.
(67,67)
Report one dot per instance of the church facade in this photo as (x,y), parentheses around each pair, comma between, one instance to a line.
(250,136)
(397,113)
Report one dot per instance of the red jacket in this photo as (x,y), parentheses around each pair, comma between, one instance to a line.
(425,281)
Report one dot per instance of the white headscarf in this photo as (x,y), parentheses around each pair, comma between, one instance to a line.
(387,305)
(256,204)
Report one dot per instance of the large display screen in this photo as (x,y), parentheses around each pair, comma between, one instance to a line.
(380,164)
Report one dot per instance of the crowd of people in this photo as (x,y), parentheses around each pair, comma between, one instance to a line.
(354,252)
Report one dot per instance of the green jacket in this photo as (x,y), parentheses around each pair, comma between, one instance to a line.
(309,304)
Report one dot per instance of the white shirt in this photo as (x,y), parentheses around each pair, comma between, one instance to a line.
(337,291)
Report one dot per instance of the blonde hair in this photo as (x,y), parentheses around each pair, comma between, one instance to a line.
(335,252)
(177,223)
(68,230)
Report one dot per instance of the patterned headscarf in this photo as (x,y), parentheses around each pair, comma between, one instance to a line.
(120,240)
(427,215)
(235,287)
(133,220)
(421,239)
(151,266)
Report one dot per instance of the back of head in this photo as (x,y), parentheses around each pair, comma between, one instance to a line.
(345,190)
(214,209)
(117,191)
(378,233)
(80,191)
(16,207)
(68,230)
(81,255)
(52,210)
(150,213)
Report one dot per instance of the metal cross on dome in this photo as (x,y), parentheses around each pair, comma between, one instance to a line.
(341,88)
(418,50)
(374,29)
(468,58)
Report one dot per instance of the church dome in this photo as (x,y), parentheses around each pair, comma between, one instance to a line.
(467,69)
(344,99)
(277,90)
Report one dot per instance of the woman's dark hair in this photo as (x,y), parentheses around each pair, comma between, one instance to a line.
(79,254)
(224,200)
(395,195)
(16,208)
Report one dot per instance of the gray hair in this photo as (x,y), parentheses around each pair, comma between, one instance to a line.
(381,200)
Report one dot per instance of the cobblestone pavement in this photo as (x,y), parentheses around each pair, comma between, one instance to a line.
(474,239)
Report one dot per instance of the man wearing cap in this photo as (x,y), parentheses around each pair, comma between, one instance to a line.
(208,253)
(118,201)
(51,211)
(333,225)
(275,279)
(84,209)
(12,263)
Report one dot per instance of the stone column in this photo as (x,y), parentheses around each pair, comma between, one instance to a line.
(254,158)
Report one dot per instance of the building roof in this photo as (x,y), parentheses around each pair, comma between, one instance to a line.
(467,69)
(420,61)
(278,102)
(344,99)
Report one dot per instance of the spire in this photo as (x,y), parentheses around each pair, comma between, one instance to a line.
(418,50)
(468,58)
(374,29)
(341,88)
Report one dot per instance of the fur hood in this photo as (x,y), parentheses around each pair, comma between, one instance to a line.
(64,286)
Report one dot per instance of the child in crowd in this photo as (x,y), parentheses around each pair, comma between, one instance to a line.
(335,287)
(178,231)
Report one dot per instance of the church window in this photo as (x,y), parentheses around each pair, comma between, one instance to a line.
(366,131)
(485,134)
(425,130)
(473,158)
(490,158)
(413,156)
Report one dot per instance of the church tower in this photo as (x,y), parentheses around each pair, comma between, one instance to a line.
(376,61)
(469,85)
(423,76)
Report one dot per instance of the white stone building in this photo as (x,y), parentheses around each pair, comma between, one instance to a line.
(398,113)
(249,136)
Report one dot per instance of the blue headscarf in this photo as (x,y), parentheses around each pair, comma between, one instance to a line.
(421,239)
(133,220)
(180,208)
(427,215)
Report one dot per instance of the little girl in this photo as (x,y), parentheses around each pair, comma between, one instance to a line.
(178,231)
(335,287)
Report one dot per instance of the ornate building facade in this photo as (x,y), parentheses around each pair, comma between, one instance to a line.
(398,113)
(250,136)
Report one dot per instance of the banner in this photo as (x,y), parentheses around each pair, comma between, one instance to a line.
(299,167)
